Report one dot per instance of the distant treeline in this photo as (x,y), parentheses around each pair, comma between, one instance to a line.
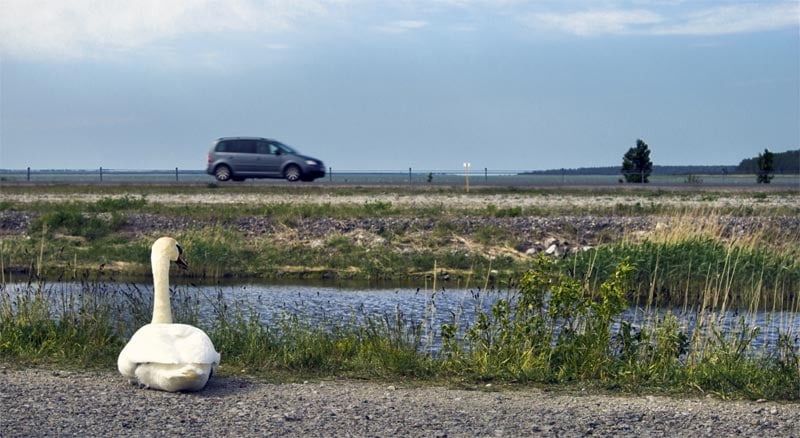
(783,163)
(657,170)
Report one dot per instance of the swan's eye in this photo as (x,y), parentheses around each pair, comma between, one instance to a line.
(180,250)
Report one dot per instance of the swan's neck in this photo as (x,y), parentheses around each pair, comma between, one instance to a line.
(162,312)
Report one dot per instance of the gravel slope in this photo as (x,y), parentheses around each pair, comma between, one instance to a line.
(39,402)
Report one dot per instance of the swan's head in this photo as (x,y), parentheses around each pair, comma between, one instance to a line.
(169,248)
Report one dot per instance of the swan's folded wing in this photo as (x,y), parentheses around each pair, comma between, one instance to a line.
(169,344)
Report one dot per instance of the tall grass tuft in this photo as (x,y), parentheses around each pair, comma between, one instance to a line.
(696,259)
(72,325)
(552,330)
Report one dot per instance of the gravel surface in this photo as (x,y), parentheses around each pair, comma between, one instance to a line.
(41,402)
(736,199)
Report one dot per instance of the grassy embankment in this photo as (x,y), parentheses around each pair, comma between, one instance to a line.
(557,328)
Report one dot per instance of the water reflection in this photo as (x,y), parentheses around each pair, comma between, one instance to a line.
(446,306)
(319,304)
(418,307)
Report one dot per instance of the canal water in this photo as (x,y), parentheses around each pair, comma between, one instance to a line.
(329,304)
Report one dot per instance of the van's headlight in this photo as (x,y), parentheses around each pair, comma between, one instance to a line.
(311,162)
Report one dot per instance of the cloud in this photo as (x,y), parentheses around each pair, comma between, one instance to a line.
(595,22)
(673,19)
(401,26)
(75,29)
(87,28)
(735,19)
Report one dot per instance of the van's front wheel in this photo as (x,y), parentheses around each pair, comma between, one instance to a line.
(223,173)
(292,173)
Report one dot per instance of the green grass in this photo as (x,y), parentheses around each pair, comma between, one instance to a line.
(556,328)
(552,330)
(683,272)
(86,235)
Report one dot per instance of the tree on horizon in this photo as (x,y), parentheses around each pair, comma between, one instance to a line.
(765,167)
(636,164)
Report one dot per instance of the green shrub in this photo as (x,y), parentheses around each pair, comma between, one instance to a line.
(116,204)
(552,330)
(72,222)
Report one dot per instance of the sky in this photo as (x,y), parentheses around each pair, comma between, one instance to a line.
(398,84)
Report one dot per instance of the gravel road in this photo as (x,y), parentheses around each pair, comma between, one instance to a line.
(41,402)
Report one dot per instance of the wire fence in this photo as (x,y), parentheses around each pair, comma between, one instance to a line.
(410,176)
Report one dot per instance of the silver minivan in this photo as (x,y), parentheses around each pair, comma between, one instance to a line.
(238,158)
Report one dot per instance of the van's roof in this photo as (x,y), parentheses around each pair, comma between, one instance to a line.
(242,138)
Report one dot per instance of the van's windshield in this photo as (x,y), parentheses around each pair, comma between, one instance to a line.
(285,148)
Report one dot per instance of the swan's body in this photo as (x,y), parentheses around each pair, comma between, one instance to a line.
(171,357)
(163,355)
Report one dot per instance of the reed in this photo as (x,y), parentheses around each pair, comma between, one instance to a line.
(553,328)
(72,326)
(693,259)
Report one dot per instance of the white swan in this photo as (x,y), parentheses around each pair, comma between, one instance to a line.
(162,355)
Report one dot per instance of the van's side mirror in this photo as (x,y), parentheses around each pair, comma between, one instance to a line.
(278,152)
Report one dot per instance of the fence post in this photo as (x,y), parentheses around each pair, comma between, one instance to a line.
(29,174)
(176,174)
(101,174)
(330,174)
(409,176)
(486,174)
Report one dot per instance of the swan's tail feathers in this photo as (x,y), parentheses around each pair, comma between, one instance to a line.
(189,373)
(174,377)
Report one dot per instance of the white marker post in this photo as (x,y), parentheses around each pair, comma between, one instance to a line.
(466,174)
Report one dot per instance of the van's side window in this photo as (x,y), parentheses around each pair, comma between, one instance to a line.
(234,146)
(247,146)
(263,148)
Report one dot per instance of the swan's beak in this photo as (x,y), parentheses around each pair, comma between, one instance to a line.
(182,263)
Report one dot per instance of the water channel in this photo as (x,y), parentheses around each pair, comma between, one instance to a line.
(340,304)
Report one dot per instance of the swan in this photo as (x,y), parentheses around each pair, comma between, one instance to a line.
(162,355)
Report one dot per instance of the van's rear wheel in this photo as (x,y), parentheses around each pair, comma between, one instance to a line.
(223,173)
(292,173)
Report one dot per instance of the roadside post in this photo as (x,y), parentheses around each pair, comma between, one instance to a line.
(466,174)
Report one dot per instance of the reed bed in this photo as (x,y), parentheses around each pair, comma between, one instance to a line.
(551,328)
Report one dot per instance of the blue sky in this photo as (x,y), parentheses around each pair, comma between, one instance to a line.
(388,85)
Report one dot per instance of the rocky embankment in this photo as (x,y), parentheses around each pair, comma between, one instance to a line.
(554,235)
